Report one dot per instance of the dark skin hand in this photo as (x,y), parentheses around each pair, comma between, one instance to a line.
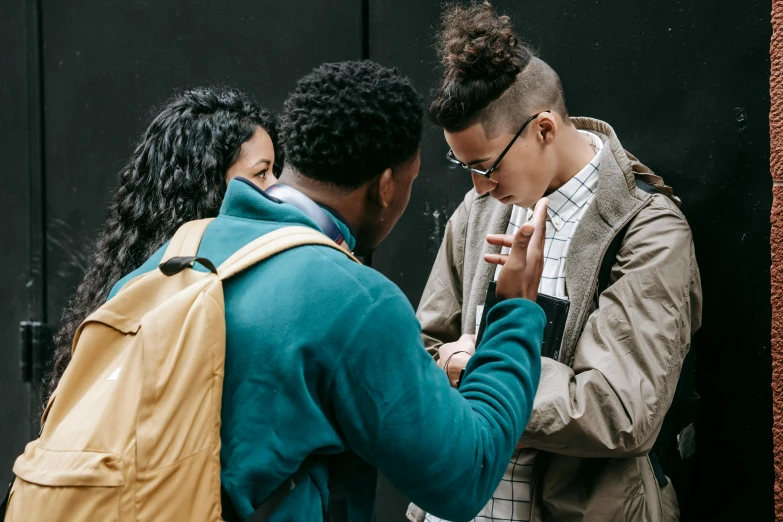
(520,277)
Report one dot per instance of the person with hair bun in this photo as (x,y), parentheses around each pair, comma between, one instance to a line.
(609,381)
(200,140)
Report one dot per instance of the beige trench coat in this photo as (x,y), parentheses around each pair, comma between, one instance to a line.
(599,407)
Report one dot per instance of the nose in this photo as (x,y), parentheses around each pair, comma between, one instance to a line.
(482,184)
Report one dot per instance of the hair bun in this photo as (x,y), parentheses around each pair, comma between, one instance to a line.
(476,43)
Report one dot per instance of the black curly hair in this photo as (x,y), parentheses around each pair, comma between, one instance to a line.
(177,174)
(347,122)
(490,76)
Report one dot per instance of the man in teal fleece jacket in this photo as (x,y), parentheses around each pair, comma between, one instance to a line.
(324,357)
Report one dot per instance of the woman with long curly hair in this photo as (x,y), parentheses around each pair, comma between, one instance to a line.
(201,139)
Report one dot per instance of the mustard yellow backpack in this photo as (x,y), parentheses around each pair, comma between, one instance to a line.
(132,432)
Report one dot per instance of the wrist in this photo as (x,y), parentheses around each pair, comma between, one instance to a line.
(446,364)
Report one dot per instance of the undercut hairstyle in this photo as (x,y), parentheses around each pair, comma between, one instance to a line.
(177,173)
(490,76)
(345,123)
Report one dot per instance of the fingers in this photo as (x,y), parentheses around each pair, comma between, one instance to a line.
(507,240)
(539,222)
(535,250)
(522,238)
(496,259)
(501,240)
(530,233)
(528,228)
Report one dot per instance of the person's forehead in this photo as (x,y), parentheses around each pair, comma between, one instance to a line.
(260,137)
(258,146)
(472,145)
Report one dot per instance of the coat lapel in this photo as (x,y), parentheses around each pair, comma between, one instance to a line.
(616,203)
(487,217)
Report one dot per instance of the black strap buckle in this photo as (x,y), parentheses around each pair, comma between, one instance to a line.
(175,265)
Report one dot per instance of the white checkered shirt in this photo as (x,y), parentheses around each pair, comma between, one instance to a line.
(567,205)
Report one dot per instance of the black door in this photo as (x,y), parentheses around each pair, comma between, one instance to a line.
(79,81)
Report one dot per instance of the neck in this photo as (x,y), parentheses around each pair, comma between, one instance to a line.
(347,205)
(574,153)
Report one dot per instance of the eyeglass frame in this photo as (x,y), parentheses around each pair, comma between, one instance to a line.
(487,173)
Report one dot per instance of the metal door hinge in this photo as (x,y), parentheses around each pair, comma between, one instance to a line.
(35,350)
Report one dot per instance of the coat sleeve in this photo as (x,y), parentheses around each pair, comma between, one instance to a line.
(444,449)
(440,308)
(611,402)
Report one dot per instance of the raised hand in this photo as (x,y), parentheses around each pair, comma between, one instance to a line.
(522,267)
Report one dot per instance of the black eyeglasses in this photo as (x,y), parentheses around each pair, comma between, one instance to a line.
(486,173)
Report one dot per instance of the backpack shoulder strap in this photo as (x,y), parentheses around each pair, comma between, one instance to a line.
(610,257)
(684,408)
(187,239)
(273,243)
(273,501)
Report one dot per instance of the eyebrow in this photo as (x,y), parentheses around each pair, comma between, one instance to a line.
(262,160)
(476,162)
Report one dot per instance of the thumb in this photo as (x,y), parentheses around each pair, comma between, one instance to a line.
(539,222)
(518,254)
(532,232)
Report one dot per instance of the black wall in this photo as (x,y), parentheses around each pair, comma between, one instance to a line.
(684,84)
(15,234)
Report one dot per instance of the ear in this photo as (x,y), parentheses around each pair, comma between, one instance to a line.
(381,189)
(547,127)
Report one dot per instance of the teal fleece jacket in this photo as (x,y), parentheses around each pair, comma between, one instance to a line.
(324,357)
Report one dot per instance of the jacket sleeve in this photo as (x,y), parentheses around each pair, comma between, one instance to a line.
(612,400)
(440,308)
(444,449)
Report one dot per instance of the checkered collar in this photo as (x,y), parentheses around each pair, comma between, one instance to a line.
(579,190)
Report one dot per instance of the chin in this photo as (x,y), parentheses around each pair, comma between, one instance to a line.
(527,202)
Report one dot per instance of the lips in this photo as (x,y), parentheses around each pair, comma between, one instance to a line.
(504,199)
